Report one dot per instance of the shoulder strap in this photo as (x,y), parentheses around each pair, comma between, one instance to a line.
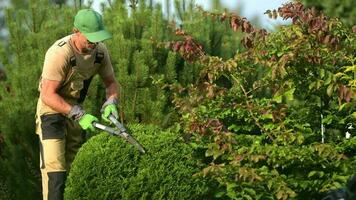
(99,57)
(61,43)
(72,61)
(72,64)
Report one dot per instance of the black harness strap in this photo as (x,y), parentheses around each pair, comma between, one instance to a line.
(99,57)
(84,91)
(72,61)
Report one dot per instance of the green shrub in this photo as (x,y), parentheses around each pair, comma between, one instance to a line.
(106,167)
(257,117)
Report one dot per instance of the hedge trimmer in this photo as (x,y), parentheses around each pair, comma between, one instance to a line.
(120,131)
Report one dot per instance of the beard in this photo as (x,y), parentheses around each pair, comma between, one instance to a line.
(89,48)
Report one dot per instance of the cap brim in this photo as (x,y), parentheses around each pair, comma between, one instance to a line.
(98,36)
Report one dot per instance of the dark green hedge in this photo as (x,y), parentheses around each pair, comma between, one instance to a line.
(106,167)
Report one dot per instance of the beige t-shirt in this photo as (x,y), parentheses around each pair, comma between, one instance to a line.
(57,66)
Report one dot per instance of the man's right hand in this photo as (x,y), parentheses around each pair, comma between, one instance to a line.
(86,122)
(77,113)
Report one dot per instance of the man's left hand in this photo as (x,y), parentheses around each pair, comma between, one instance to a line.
(109,108)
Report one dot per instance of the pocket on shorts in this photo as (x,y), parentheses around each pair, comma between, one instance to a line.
(53,126)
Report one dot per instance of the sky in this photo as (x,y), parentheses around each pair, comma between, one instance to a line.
(250,8)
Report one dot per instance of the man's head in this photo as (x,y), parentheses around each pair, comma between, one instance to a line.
(88,30)
(90,24)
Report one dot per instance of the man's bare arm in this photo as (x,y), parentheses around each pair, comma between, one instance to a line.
(111,86)
(50,97)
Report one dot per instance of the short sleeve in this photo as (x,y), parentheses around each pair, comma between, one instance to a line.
(54,67)
(106,68)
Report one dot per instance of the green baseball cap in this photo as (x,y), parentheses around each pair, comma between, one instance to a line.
(90,23)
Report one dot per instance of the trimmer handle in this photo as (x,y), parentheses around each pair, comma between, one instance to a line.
(113,119)
(104,128)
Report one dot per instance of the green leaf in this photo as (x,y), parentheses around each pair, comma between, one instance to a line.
(353,115)
(270,183)
(278,98)
(339,74)
(321,174)
(312,173)
(217,152)
(280,194)
(202,109)
(328,78)
(267,116)
(328,119)
(330,90)
(322,73)
(289,94)
(311,85)
(343,106)
(350,68)
(194,145)
(219,194)
(209,152)
(230,188)
(299,33)
(233,127)
(252,192)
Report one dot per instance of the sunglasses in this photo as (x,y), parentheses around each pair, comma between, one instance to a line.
(92,43)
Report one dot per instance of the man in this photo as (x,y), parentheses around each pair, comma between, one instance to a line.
(70,64)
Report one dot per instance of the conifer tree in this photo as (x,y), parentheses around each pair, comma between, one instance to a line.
(344,10)
(31,32)
(216,38)
(137,60)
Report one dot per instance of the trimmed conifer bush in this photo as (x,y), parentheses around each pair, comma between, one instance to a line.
(107,167)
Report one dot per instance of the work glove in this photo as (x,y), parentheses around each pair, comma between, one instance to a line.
(85,120)
(109,108)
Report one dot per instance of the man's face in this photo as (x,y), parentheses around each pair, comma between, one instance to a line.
(85,44)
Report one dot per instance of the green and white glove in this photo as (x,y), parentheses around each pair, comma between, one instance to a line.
(85,120)
(109,108)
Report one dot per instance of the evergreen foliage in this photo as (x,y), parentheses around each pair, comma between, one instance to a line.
(216,38)
(31,32)
(139,63)
(343,9)
(107,167)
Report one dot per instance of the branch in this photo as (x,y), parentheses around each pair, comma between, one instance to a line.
(249,105)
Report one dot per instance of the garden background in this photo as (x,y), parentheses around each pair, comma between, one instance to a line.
(226,109)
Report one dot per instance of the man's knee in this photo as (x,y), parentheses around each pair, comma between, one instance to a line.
(56,181)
